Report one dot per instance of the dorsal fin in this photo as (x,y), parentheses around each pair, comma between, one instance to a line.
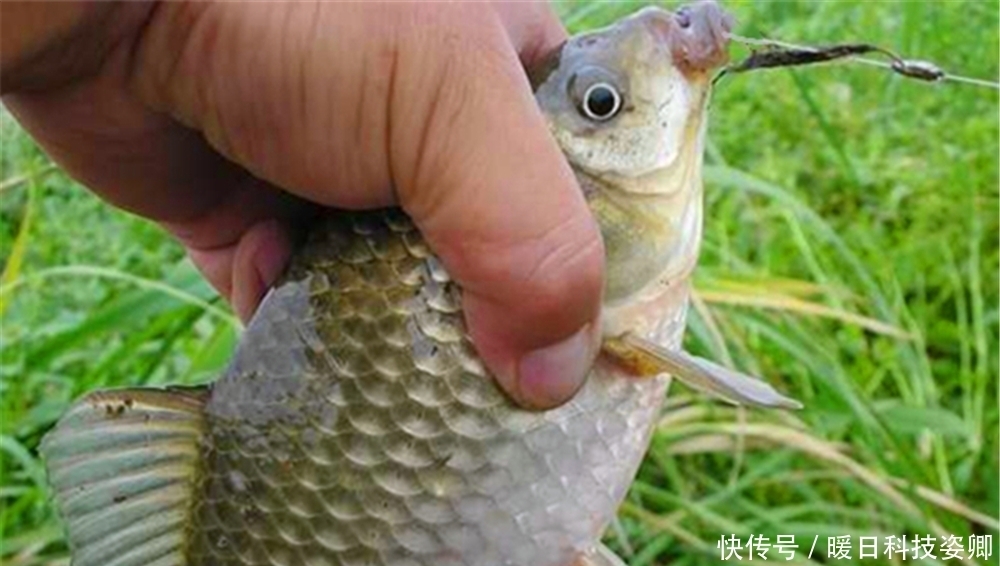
(122,465)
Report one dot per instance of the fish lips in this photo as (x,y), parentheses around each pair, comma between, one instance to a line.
(696,35)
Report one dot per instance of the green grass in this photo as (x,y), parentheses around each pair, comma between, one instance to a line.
(846,207)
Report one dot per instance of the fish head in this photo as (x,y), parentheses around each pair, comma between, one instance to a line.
(619,99)
(627,106)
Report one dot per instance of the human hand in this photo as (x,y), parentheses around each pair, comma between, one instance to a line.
(223,121)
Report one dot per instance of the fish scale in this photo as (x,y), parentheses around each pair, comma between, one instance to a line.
(371,434)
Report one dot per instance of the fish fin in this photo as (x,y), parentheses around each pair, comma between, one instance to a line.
(600,555)
(647,358)
(122,467)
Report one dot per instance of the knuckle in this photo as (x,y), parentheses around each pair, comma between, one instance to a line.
(547,285)
(551,285)
(566,278)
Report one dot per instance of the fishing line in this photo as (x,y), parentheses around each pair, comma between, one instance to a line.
(775,53)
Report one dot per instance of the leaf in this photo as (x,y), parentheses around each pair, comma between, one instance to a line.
(764,300)
(12,269)
(915,420)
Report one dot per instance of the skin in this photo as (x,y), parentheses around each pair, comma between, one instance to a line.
(229,123)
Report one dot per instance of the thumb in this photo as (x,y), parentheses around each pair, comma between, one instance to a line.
(479,173)
(340,102)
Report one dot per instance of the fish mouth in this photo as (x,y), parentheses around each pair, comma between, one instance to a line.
(697,35)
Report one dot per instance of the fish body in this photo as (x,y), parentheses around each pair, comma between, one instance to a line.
(411,454)
(356,424)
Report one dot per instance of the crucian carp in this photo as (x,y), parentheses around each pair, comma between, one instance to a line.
(356,424)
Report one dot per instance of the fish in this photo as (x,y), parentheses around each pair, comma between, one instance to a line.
(356,424)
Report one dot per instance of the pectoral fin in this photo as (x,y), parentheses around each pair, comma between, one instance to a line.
(643,357)
(122,466)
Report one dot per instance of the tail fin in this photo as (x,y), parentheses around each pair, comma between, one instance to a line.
(122,466)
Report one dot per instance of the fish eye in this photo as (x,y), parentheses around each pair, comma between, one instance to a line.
(601,102)
(597,93)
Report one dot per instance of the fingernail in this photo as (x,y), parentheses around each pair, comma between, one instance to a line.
(271,258)
(549,376)
(260,259)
